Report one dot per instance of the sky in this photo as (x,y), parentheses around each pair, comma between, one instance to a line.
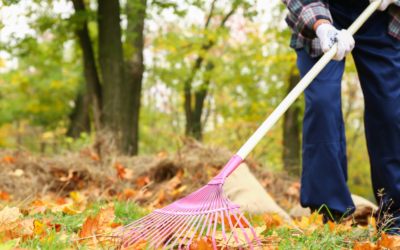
(15,22)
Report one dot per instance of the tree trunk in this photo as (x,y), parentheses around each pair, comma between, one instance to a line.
(130,107)
(291,131)
(90,70)
(79,117)
(188,82)
(111,64)
(200,96)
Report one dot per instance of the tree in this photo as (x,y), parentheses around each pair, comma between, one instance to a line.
(136,13)
(90,71)
(291,130)
(79,118)
(111,63)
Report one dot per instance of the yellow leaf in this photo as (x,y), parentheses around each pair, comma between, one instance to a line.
(75,196)
(38,227)
(304,223)
(317,218)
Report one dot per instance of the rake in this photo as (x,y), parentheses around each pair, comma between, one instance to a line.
(197,216)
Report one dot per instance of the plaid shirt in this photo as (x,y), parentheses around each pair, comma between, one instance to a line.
(304,13)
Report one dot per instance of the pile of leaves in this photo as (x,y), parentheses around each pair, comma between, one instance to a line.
(153,180)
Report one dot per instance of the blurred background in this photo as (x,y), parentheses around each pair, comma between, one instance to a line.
(148,75)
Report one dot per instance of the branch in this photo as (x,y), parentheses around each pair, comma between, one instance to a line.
(228,15)
(210,15)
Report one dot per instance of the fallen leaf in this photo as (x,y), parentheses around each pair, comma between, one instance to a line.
(201,245)
(38,227)
(179,190)
(9,244)
(98,226)
(123,173)
(70,176)
(304,223)
(17,173)
(161,155)
(8,218)
(316,218)
(5,196)
(240,235)
(391,242)
(8,159)
(95,157)
(272,220)
(142,181)
(366,246)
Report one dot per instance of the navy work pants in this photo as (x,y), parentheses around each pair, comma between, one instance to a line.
(377,59)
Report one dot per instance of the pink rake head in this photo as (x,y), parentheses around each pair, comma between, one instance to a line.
(192,218)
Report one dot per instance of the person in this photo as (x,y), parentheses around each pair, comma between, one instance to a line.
(316,26)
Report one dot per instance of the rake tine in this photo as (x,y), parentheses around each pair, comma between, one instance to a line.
(170,224)
(182,225)
(232,227)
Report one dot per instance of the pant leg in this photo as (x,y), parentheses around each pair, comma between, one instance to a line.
(377,58)
(324,173)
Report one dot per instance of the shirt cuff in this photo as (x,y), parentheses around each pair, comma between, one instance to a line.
(309,15)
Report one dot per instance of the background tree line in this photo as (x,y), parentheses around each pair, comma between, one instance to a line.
(150,72)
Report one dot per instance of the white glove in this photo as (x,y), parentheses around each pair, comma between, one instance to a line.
(384,4)
(328,35)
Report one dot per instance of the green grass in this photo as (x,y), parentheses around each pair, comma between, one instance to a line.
(126,212)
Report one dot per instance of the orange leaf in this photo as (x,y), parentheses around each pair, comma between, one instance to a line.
(331,225)
(161,155)
(139,245)
(129,193)
(123,173)
(272,220)
(391,242)
(366,246)
(101,224)
(8,159)
(95,157)
(201,245)
(4,196)
(234,222)
(142,181)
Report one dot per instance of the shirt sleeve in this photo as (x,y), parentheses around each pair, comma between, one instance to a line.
(307,13)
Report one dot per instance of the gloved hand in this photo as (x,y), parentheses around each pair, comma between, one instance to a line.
(328,35)
(384,4)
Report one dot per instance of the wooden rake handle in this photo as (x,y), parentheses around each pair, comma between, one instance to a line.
(307,79)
